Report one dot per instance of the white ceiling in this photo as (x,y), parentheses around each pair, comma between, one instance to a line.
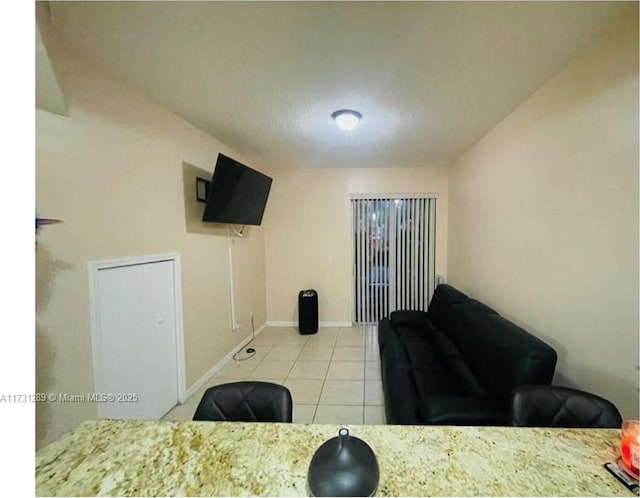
(430,78)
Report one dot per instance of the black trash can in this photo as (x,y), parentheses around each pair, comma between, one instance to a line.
(308,311)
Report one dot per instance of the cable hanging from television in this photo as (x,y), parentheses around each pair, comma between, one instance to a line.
(239,233)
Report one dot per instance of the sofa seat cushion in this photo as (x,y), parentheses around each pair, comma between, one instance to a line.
(405,386)
(404,332)
(423,355)
(404,412)
(404,356)
(436,382)
(461,410)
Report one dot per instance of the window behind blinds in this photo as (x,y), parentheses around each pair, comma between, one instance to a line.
(394,255)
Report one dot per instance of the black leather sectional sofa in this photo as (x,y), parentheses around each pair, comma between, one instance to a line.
(457,363)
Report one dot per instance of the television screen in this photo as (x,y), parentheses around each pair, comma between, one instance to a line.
(237,194)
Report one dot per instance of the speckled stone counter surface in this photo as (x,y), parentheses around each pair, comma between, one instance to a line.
(127,458)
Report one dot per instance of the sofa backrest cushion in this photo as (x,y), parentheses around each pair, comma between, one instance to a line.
(504,356)
(462,319)
(465,376)
(443,297)
(445,345)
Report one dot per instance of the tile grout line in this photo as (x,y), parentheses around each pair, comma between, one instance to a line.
(326,374)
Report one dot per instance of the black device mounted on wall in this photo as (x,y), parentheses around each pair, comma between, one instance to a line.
(202,189)
(236,193)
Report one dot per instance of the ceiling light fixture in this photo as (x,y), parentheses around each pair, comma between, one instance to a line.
(346,119)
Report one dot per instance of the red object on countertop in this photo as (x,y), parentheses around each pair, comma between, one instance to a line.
(630,447)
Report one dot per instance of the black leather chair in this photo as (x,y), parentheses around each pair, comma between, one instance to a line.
(247,401)
(555,406)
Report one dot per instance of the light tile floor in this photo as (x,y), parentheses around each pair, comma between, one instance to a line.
(333,376)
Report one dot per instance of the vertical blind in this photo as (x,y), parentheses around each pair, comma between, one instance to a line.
(394,255)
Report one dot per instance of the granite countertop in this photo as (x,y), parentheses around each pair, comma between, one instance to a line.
(129,458)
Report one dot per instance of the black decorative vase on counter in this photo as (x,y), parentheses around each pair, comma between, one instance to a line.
(343,466)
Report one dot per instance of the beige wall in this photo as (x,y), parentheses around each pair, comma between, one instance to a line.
(543,217)
(113,171)
(308,238)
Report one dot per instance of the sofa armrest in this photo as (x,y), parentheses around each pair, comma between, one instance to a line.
(462,410)
(408,317)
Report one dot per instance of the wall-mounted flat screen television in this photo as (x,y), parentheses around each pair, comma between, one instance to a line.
(237,194)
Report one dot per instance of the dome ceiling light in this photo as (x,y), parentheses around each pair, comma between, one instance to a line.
(346,119)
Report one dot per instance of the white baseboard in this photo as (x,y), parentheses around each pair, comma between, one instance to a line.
(276,323)
(335,324)
(218,366)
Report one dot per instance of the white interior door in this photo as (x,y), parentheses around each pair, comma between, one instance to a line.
(135,350)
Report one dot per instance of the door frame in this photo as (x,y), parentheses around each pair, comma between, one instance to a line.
(93,267)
